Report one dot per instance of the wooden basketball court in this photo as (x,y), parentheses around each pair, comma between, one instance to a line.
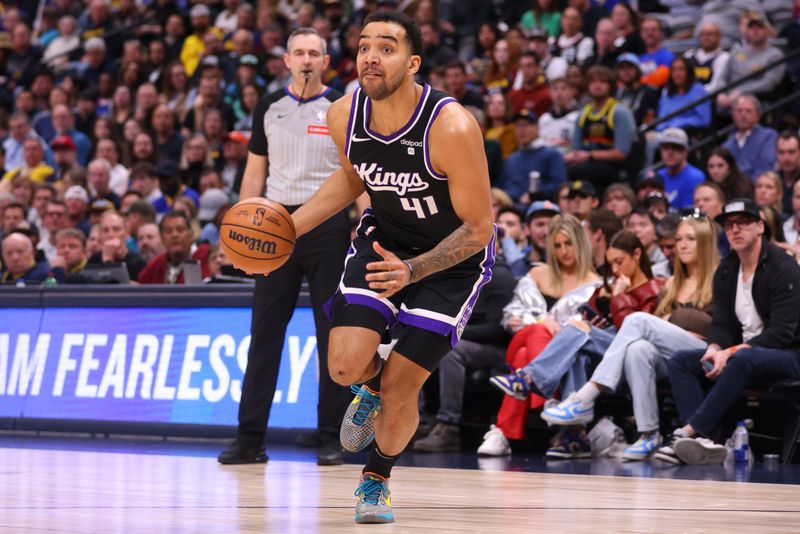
(76,491)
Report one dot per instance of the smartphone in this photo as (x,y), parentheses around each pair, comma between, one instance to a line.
(588,312)
(708,365)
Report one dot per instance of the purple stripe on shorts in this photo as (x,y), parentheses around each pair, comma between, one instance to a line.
(426,323)
(486,276)
(374,303)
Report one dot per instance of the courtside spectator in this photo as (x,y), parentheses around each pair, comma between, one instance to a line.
(753,339)
(113,248)
(148,241)
(71,257)
(19,264)
(176,235)
(752,145)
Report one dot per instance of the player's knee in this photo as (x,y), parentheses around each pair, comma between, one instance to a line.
(347,368)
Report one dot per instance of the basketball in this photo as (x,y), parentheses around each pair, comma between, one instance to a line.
(258,235)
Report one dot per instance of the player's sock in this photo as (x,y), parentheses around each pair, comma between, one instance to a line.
(379,462)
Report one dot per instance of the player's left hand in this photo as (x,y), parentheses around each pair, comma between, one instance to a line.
(391,274)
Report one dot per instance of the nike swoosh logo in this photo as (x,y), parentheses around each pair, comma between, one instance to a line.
(359,139)
(282,116)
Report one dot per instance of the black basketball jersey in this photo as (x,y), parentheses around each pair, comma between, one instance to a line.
(410,200)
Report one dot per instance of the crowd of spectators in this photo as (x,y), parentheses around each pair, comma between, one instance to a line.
(125,127)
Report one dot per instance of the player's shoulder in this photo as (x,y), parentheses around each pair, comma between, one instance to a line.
(340,108)
(453,119)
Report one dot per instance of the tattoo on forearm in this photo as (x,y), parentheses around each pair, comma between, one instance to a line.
(453,249)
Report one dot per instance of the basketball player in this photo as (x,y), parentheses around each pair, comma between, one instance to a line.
(291,149)
(421,253)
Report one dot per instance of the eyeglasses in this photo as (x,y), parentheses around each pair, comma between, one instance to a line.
(691,213)
(738,223)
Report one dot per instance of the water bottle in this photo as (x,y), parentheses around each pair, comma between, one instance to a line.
(741,443)
(50,281)
(534,182)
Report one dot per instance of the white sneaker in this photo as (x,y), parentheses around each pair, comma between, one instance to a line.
(699,451)
(494,443)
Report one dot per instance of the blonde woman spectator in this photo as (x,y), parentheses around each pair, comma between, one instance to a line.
(769,190)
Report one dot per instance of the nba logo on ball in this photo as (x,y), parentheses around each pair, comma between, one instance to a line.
(258,235)
(258,218)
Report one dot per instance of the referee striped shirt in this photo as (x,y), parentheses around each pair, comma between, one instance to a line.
(293,134)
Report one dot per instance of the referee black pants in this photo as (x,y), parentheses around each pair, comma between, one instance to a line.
(319,255)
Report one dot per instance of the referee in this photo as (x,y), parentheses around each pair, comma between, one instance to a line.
(290,146)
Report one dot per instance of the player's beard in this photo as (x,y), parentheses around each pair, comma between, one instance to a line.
(384,89)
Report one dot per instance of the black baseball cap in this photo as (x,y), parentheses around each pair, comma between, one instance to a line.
(582,188)
(739,206)
(527,115)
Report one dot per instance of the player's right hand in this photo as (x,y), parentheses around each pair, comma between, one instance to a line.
(391,274)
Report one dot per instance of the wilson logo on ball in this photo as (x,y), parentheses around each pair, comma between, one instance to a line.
(253,243)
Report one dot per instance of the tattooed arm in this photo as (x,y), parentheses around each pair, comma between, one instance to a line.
(456,146)
(456,149)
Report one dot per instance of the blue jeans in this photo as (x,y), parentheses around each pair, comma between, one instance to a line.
(639,353)
(747,367)
(563,361)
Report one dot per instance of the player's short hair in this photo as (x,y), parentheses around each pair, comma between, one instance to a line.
(413,35)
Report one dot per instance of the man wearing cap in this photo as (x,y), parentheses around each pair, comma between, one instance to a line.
(640,98)
(754,337)
(277,70)
(552,66)
(288,122)
(680,177)
(604,135)
(246,73)
(65,154)
(557,124)
(753,54)
(752,145)
(535,170)
(534,94)
(537,223)
(711,61)
(582,198)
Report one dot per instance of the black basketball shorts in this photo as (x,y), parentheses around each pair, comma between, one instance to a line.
(439,304)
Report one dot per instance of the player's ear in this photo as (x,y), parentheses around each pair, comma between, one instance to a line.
(414,62)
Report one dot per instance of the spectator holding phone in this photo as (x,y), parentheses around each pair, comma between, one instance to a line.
(544,300)
(754,337)
(562,363)
(640,351)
